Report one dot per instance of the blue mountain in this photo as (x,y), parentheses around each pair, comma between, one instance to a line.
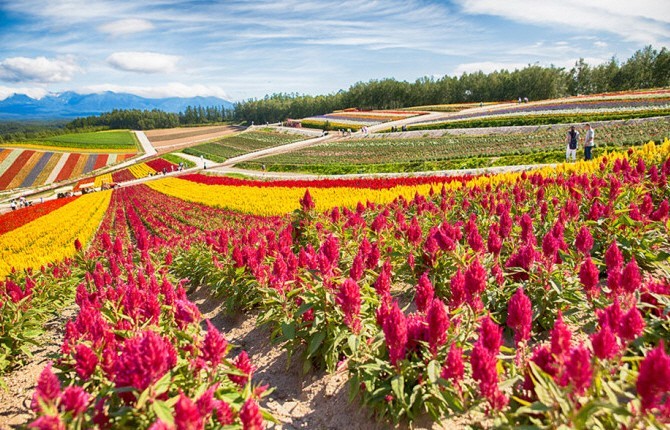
(71,105)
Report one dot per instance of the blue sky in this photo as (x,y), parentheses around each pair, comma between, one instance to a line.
(244,49)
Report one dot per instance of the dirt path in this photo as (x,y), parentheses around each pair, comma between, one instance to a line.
(15,400)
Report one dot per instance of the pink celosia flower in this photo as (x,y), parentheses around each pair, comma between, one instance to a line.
(74,399)
(523,259)
(206,402)
(186,414)
(653,381)
(613,257)
(475,239)
(424,293)
(251,416)
(85,361)
(186,312)
(242,364)
(357,267)
(224,415)
(161,425)
(438,324)
(414,233)
(394,326)
(560,337)
(454,369)
(604,343)
(490,334)
(630,277)
(47,390)
(214,346)
(494,241)
(632,324)
(588,276)
(578,371)
(349,299)
(475,283)
(584,240)
(144,359)
(306,202)
(47,422)
(383,283)
(458,294)
(661,213)
(484,363)
(520,316)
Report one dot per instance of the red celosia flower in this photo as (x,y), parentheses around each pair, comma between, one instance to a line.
(394,325)
(438,324)
(224,415)
(490,334)
(414,233)
(47,390)
(144,359)
(454,368)
(545,360)
(494,241)
(47,422)
(661,213)
(584,240)
(77,245)
(74,399)
(206,402)
(613,257)
(306,202)
(522,259)
(186,312)
(357,267)
(251,416)
(383,282)
(214,346)
(578,371)
(527,236)
(424,293)
(560,337)
(630,277)
(186,414)
(349,299)
(475,239)
(505,224)
(458,294)
(588,276)
(85,361)
(520,316)
(243,364)
(632,324)
(604,343)
(475,283)
(653,381)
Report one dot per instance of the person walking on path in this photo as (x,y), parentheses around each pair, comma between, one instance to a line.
(588,143)
(571,139)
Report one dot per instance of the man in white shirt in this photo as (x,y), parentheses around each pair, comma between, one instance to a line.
(588,143)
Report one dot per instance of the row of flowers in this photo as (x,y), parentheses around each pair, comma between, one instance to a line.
(49,238)
(577,256)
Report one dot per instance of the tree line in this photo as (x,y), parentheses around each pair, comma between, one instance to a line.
(646,68)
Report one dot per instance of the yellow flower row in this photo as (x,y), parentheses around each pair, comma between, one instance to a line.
(282,200)
(51,238)
(141,170)
(103,179)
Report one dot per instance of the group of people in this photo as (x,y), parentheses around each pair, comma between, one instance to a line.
(396,129)
(22,202)
(572,141)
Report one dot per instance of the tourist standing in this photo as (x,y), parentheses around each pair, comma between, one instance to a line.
(571,139)
(588,143)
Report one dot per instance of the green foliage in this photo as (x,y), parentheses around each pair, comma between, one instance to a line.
(239,144)
(176,159)
(99,140)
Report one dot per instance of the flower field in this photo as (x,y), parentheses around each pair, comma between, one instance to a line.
(535,299)
(242,143)
(20,168)
(355,119)
(455,151)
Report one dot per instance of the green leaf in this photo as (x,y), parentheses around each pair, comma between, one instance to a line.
(316,341)
(162,411)
(288,331)
(398,387)
(434,371)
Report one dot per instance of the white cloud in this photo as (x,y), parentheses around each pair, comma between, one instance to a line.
(600,44)
(33,92)
(645,22)
(39,69)
(143,62)
(486,67)
(123,27)
(173,89)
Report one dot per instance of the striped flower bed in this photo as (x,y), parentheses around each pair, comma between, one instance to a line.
(21,168)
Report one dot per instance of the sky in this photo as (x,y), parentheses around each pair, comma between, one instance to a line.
(238,50)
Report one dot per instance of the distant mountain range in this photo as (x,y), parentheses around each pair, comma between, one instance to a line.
(71,105)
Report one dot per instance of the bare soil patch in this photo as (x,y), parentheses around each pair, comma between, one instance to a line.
(166,140)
